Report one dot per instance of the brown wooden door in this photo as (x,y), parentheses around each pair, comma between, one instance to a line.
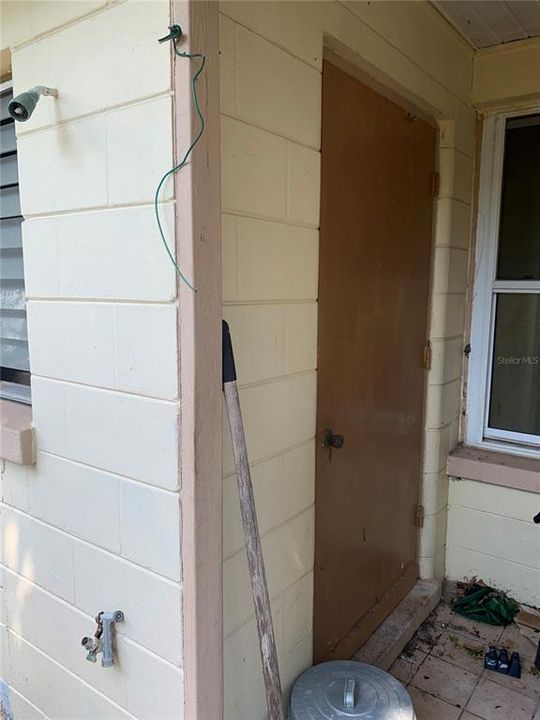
(378,163)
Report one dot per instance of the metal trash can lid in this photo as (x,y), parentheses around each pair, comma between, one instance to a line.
(339,690)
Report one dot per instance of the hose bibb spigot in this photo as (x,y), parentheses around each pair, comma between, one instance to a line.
(101,642)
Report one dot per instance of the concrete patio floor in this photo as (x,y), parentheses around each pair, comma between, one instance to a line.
(443,669)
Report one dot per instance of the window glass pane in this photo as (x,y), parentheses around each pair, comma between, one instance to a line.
(515,384)
(519,230)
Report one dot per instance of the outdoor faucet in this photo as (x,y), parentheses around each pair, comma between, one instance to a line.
(94,646)
(102,640)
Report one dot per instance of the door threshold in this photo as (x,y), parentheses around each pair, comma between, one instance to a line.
(384,646)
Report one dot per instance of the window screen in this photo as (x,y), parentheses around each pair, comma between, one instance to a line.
(14,365)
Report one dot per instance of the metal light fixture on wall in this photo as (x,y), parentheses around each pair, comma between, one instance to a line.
(22,106)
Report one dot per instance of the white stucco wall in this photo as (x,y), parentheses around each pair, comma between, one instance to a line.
(95,523)
(271,61)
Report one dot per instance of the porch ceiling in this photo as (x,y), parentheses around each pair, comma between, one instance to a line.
(492,22)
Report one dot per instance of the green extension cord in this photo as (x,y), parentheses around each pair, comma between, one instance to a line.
(174,35)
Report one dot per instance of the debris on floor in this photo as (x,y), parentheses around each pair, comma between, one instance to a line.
(485,604)
(443,668)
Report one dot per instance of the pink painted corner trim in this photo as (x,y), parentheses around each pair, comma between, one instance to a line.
(504,469)
(16,433)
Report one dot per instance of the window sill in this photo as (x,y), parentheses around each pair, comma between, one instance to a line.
(495,468)
(16,433)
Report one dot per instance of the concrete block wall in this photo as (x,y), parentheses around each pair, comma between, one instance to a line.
(271,62)
(491,536)
(490,533)
(448,311)
(504,76)
(95,524)
(270,201)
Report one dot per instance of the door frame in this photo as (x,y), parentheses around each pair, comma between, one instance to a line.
(337,54)
(198,251)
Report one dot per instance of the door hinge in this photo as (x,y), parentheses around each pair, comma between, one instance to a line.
(435,184)
(419,517)
(426,359)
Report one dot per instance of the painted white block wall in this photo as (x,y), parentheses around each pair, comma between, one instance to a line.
(504,77)
(271,62)
(491,536)
(490,529)
(95,524)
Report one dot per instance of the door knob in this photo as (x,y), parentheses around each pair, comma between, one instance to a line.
(332,440)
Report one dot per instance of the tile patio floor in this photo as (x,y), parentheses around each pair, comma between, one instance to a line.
(443,669)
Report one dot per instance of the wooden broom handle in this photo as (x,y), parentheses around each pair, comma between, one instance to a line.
(257,572)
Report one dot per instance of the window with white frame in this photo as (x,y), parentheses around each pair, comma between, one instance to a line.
(14,364)
(504,368)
